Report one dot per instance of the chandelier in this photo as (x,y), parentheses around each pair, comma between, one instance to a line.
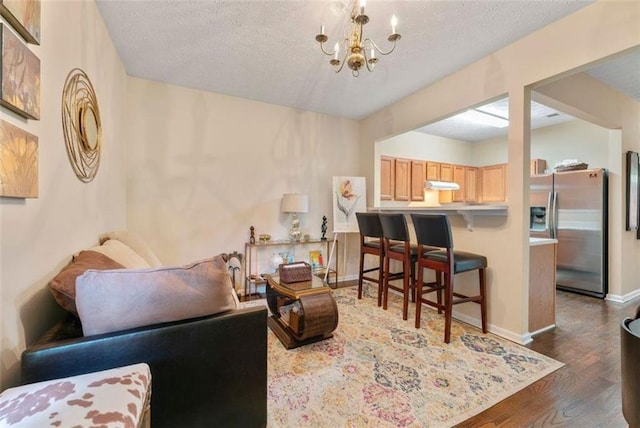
(358,51)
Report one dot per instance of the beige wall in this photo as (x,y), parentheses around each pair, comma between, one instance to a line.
(594,32)
(38,236)
(204,167)
(576,139)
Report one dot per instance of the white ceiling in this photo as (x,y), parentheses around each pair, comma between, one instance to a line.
(266,50)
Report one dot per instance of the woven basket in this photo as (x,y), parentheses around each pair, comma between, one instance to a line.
(295,272)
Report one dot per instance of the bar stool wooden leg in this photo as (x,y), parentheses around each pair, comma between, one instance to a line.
(448,299)
(483,301)
(439,292)
(361,275)
(405,285)
(380,278)
(419,295)
(385,287)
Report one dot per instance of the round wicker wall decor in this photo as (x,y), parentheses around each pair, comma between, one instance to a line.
(81,125)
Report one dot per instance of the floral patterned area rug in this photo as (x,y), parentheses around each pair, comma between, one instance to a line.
(380,371)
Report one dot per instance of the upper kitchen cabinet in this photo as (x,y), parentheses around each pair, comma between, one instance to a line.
(471,184)
(458,177)
(433,171)
(387,178)
(418,173)
(446,172)
(402,185)
(494,183)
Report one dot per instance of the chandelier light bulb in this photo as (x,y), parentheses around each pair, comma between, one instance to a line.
(337,49)
(394,24)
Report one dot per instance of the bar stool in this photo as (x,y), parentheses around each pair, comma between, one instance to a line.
(435,230)
(397,246)
(370,243)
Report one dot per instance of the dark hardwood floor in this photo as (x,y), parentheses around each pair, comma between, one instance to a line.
(585,392)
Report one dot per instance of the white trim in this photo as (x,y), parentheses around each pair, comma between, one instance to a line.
(616,298)
(520,339)
(543,329)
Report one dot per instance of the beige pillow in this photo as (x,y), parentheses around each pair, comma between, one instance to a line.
(122,254)
(63,285)
(127,298)
(134,242)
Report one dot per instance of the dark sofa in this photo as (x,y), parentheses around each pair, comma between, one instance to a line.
(206,372)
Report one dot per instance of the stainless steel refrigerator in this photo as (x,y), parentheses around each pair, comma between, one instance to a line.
(572,208)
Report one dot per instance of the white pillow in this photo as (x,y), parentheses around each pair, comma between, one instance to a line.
(113,300)
(134,242)
(122,254)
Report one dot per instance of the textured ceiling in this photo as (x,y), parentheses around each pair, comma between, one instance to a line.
(265,50)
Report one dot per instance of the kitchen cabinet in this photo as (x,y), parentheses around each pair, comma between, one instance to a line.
(458,178)
(402,184)
(494,183)
(538,166)
(433,171)
(418,173)
(446,172)
(387,176)
(471,187)
(542,284)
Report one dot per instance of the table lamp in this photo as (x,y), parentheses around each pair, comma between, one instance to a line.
(295,203)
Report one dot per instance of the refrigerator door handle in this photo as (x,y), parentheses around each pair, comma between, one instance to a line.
(548,221)
(554,214)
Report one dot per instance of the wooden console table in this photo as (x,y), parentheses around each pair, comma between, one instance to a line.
(316,315)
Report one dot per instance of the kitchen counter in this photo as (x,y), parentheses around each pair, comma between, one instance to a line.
(541,241)
(467,211)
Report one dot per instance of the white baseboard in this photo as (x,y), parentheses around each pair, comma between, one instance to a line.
(616,298)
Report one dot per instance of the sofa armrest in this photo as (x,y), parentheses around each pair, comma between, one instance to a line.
(209,371)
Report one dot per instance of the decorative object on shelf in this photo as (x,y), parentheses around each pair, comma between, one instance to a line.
(20,76)
(24,16)
(323,228)
(18,162)
(252,235)
(295,203)
(315,258)
(81,125)
(264,238)
(275,261)
(359,51)
(306,237)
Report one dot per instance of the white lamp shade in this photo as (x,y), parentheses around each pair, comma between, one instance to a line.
(295,203)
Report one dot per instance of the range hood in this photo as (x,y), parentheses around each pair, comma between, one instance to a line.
(440,185)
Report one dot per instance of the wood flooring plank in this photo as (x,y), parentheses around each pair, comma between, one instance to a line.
(586,392)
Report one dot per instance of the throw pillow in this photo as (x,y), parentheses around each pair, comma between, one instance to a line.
(63,285)
(121,253)
(134,242)
(127,298)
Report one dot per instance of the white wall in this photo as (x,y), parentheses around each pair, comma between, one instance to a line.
(204,167)
(38,236)
(576,139)
(416,145)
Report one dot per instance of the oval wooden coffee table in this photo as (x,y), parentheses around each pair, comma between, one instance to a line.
(314,315)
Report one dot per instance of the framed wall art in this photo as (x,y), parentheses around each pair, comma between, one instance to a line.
(349,197)
(632,191)
(20,80)
(18,162)
(24,16)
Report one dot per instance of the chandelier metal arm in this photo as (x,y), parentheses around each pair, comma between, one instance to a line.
(380,51)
